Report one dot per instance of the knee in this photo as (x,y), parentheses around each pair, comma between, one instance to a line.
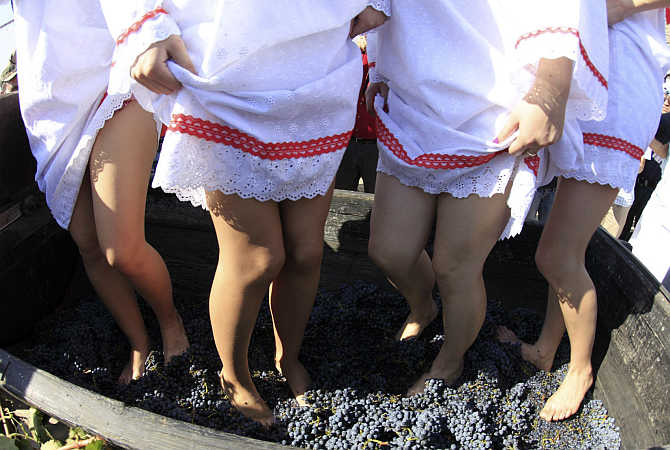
(89,247)
(125,255)
(260,266)
(457,267)
(305,257)
(385,256)
(557,263)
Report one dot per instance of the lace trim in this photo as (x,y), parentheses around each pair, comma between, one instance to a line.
(533,163)
(74,173)
(582,49)
(137,25)
(484,181)
(603,166)
(601,140)
(429,160)
(190,166)
(214,132)
(381,5)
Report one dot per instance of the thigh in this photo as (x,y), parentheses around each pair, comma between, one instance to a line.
(120,167)
(577,211)
(468,228)
(245,227)
(82,222)
(303,220)
(402,217)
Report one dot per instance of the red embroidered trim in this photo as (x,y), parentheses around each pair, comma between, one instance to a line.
(430,160)
(601,140)
(533,163)
(582,49)
(137,25)
(214,132)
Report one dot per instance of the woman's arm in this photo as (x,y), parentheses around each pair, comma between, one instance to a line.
(540,116)
(618,10)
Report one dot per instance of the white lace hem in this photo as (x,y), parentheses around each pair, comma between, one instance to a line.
(603,166)
(588,95)
(484,181)
(381,5)
(61,203)
(190,167)
(155,29)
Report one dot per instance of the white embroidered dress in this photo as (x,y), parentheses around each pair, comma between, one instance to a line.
(456,68)
(271,110)
(64,55)
(612,149)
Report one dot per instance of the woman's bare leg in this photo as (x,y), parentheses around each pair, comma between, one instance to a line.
(120,165)
(466,231)
(577,211)
(294,290)
(251,255)
(402,219)
(111,286)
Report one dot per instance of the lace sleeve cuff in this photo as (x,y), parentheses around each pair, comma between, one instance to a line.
(154,26)
(381,5)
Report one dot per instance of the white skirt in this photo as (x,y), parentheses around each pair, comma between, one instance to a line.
(612,148)
(62,92)
(453,85)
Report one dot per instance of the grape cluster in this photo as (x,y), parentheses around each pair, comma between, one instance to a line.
(360,374)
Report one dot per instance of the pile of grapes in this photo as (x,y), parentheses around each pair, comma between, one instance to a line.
(360,375)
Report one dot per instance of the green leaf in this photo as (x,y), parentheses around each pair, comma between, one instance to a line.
(7,444)
(77,433)
(95,445)
(35,422)
(51,445)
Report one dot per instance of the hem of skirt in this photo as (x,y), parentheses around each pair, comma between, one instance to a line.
(179,193)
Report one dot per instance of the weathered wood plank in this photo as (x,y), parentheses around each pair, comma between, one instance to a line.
(125,426)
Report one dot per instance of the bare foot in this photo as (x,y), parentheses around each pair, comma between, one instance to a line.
(416,323)
(533,354)
(449,375)
(135,367)
(175,341)
(248,402)
(569,396)
(297,378)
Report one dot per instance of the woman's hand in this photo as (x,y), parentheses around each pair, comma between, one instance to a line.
(367,20)
(373,90)
(618,10)
(540,116)
(150,68)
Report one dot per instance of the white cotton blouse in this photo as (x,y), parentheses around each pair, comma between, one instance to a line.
(64,55)
(456,68)
(609,152)
(272,106)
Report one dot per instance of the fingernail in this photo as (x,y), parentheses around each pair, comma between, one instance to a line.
(496,141)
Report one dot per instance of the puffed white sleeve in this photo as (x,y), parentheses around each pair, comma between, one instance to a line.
(135,25)
(576,29)
(381,5)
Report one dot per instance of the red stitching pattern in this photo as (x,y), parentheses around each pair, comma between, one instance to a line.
(137,25)
(601,140)
(533,163)
(582,49)
(214,132)
(430,160)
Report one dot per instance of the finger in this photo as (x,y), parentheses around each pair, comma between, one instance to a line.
(160,74)
(178,53)
(518,146)
(510,127)
(352,25)
(370,95)
(384,91)
(153,86)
